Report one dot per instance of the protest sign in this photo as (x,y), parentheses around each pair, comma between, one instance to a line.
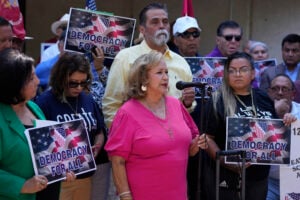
(59,148)
(87,29)
(266,141)
(207,70)
(289,182)
(290,175)
(260,66)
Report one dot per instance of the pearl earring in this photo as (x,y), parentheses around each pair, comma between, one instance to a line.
(144,88)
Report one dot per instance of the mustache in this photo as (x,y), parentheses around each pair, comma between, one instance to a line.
(162,32)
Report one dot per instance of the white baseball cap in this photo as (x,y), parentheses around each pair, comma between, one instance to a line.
(63,20)
(184,23)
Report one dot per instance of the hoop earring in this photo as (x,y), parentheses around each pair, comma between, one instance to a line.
(144,88)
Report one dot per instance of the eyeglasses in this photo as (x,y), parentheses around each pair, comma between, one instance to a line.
(241,71)
(73,84)
(187,35)
(230,37)
(282,89)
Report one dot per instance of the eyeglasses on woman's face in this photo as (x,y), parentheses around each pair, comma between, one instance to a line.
(241,71)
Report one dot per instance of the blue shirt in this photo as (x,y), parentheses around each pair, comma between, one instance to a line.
(43,71)
(292,74)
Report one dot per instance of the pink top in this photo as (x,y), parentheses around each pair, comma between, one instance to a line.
(156,161)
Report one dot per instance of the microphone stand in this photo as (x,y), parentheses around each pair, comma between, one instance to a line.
(203,93)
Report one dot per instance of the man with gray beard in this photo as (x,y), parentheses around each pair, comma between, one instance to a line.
(154,25)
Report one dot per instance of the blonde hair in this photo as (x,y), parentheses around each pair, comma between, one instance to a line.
(138,73)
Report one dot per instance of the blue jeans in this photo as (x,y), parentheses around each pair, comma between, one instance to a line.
(273,189)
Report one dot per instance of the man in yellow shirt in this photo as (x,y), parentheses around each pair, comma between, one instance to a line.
(155,26)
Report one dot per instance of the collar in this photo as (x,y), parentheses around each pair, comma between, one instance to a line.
(167,54)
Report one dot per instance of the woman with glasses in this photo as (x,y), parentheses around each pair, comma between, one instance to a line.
(68,99)
(235,98)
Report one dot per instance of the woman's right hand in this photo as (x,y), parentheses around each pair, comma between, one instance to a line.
(70,176)
(35,184)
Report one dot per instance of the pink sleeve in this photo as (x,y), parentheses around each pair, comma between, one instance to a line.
(189,121)
(120,136)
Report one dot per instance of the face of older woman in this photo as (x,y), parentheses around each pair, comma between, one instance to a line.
(77,82)
(240,75)
(158,80)
(30,88)
(259,53)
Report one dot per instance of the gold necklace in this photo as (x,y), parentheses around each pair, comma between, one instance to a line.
(254,113)
(70,106)
(158,119)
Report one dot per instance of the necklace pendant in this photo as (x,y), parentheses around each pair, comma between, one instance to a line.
(170,132)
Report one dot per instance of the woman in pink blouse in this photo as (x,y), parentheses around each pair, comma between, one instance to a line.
(152,136)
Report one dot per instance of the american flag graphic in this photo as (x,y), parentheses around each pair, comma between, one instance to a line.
(54,143)
(219,68)
(292,196)
(88,28)
(90,5)
(208,70)
(260,67)
(267,139)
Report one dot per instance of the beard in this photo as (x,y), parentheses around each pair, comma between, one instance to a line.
(161,37)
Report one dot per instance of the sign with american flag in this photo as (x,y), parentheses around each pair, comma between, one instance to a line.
(59,148)
(289,182)
(260,66)
(266,141)
(207,70)
(87,29)
(290,175)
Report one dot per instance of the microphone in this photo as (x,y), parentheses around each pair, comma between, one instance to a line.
(180,85)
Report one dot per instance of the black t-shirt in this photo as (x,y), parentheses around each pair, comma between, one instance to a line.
(216,124)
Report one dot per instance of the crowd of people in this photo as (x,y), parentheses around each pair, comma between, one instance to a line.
(148,138)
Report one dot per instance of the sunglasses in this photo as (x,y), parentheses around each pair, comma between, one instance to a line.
(230,37)
(187,35)
(83,84)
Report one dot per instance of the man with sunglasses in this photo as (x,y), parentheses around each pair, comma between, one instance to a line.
(228,40)
(186,33)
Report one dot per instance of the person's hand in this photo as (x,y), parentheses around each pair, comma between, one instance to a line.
(98,59)
(198,142)
(188,96)
(70,176)
(288,118)
(34,184)
(282,106)
(96,150)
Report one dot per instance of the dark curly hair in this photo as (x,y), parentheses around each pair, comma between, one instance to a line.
(66,65)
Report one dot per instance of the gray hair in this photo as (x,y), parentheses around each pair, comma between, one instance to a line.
(255,44)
